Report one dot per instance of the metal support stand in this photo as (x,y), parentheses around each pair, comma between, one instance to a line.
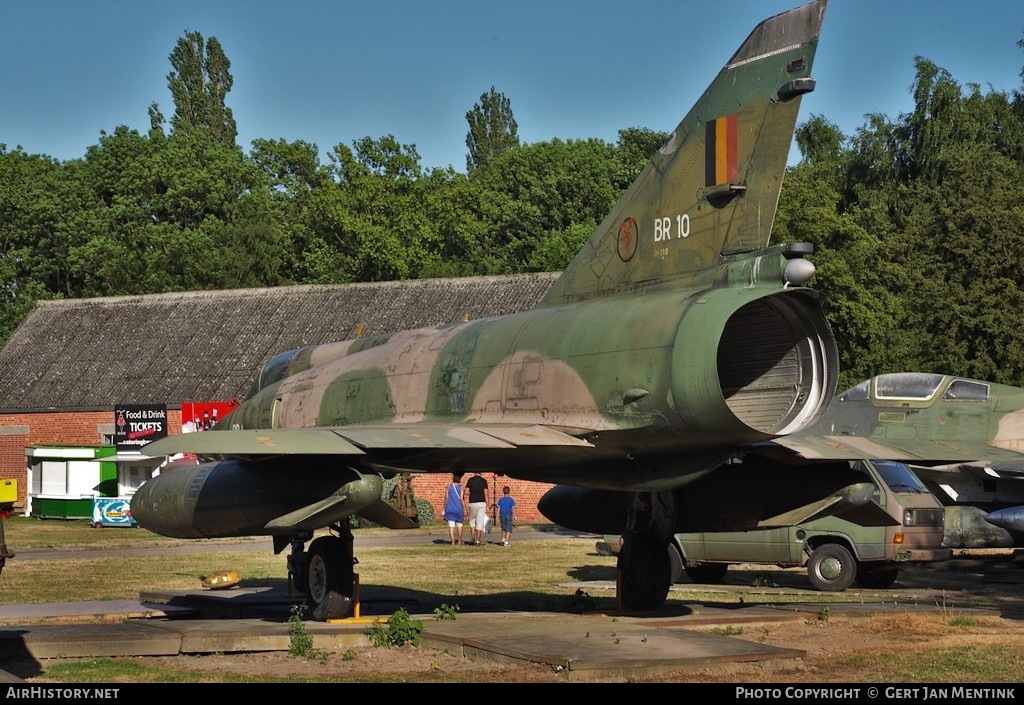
(355,596)
(618,589)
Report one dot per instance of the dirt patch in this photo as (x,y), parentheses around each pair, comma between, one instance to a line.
(854,649)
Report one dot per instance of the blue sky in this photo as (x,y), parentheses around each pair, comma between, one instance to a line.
(331,72)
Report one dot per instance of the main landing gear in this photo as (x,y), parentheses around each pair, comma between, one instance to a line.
(644,562)
(325,572)
(646,572)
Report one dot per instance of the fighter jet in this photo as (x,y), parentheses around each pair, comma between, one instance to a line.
(961,436)
(675,340)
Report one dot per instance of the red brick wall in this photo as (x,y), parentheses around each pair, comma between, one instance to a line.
(434,487)
(12,462)
(54,428)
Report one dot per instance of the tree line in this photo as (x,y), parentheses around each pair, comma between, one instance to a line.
(916,220)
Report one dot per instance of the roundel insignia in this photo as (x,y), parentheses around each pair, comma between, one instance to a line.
(628,237)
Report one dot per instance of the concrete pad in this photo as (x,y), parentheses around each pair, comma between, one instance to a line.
(234,602)
(109,609)
(72,640)
(232,636)
(590,647)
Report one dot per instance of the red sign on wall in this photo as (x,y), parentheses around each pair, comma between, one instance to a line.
(204,415)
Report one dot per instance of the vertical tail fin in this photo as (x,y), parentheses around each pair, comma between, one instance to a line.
(713,187)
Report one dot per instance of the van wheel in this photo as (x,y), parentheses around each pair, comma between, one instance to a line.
(706,572)
(831,568)
(876,577)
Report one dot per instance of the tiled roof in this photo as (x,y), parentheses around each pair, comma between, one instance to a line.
(209,345)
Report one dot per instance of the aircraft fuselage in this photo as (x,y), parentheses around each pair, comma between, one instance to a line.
(659,376)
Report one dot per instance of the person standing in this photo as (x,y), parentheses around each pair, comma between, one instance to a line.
(454,511)
(506,514)
(477,487)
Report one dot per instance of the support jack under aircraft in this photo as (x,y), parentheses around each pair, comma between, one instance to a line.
(674,342)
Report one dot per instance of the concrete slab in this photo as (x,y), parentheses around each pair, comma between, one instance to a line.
(76,639)
(232,603)
(109,609)
(590,647)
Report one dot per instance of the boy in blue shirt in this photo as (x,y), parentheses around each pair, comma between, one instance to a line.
(506,514)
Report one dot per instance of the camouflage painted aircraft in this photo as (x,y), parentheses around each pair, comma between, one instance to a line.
(961,436)
(675,340)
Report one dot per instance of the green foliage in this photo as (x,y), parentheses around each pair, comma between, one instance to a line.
(823,613)
(300,641)
(446,611)
(635,148)
(492,129)
(400,629)
(764,579)
(820,141)
(963,620)
(727,631)
(543,191)
(110,670)
(199,85)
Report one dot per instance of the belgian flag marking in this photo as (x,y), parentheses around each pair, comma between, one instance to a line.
(720,151)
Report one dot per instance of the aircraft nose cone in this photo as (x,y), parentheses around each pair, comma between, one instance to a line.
(1010,518)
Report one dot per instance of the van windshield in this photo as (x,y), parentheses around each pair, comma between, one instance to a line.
(898,476)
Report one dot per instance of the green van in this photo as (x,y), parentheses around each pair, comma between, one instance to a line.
(836,552)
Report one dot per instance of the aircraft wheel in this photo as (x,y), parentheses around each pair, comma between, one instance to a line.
(675,564)
(831,568)
(876,577)
(330,578)
(707,572)
(646,572)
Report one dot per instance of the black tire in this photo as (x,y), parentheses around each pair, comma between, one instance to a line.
(831,568)
(329,569)
(646,573)
(876,577)
(709,573)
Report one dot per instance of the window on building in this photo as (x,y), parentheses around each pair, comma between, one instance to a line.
(132,476)
(50,477)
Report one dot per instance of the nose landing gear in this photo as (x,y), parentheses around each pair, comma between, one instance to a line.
(325,573)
